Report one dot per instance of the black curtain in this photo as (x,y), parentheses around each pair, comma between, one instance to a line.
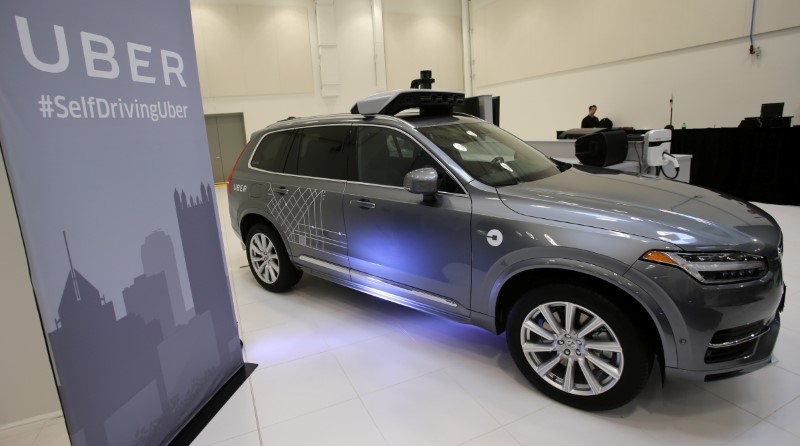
(753,164)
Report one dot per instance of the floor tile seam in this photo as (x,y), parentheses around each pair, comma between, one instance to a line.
(422,341)
(39,433)
(361,401)
(255,413)
(467,391)
(347,376)
(786,327)
(35,437)
(232,438)
(742,434)
(490,432)
(374,422)
(268,304)
(305,414)
(371,392)
(358,310)
(794,331)
(359,393)
(270,327)
(783,429)
(404,380)
(796,398)
(714,394)
(255,408)
(283,321)
(763,418)
(262,367)
(312,323)
(335,311)
(22,426)
(778,365)
(351,343)
(361,341)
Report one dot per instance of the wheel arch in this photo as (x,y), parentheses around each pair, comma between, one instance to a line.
(251,218)
(627,294)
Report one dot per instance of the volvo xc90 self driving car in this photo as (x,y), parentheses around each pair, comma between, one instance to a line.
(592,274)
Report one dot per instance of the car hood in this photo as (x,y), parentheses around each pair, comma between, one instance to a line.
(684,215)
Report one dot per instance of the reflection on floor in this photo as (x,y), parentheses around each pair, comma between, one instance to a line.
(337,367)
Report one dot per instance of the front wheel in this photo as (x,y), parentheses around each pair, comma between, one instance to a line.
(578,347)
(269,261)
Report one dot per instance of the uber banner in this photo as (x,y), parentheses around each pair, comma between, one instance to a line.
(102,130)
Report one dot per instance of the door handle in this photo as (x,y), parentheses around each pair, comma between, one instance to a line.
(282,191)
(363,203)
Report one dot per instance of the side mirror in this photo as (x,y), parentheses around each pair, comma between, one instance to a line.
(422,181)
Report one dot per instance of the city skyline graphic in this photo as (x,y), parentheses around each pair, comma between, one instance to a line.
(160,359)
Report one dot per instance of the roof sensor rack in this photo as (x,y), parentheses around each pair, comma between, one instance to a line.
(429,102)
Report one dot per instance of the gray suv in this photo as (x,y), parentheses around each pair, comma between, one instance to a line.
(592,274)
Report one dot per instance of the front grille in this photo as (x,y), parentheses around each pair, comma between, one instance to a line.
(742,342)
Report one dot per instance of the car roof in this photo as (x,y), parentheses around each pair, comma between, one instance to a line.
(406,120)
(409,109)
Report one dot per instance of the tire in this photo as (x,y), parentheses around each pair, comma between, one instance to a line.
(269,261)
(601,363)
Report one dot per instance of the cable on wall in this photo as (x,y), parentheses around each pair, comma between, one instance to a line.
(753,49)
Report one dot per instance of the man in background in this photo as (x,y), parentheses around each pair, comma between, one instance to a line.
(590,121)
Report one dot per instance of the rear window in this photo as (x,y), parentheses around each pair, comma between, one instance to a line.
(319,152)
(271,152)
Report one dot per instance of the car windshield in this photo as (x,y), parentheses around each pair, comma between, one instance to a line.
(490,154)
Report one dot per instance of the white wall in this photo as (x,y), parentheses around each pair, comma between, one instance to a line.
(27,388)
(437,22)
(247,49)
(357,73)
(548,61)
(423,35)
(695,56)
(516,39)
(713,85)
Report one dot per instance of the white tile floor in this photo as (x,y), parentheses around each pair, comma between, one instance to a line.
(337,367)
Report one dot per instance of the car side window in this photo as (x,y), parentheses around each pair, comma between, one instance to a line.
(385,156)
(319,152)
(271,152)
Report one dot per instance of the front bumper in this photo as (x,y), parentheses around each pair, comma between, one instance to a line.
(756,354)
(720,331)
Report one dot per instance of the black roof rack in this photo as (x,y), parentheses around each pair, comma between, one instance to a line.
(429,102)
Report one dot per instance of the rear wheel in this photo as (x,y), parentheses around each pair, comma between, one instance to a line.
(578,347)
(269,261)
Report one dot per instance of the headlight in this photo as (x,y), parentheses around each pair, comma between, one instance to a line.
(713,267)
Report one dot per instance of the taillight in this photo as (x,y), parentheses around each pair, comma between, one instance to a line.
(230,174)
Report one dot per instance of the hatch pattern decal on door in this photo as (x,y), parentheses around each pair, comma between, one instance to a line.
(299,214)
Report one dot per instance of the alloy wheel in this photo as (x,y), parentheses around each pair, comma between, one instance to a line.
(572,348)
(264,257)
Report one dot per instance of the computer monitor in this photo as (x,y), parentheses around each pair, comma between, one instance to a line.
(771,111)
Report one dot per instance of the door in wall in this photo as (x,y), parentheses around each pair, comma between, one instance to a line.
(226,138)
